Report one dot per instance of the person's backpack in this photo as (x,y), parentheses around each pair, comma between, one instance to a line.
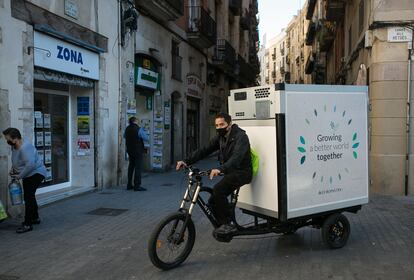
(255,161)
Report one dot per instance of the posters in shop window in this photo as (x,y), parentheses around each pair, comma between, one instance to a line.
(84,145)
(48,174)
(48,156)
(83,125)
(39,139)
(41,154)
(38,119)
(46,120)
(48,138)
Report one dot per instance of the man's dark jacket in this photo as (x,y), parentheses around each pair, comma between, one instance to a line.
(134,144)
(234,152)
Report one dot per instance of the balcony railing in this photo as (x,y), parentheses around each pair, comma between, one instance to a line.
(201,27)
(310,9)
(176,67)
(273,74)
(282,70)
(287,77)
(273,56)
(310,34)
(162,9)
(224,55)
(245,21)
(335,10)
(282,51)
(326,36)
(235,6)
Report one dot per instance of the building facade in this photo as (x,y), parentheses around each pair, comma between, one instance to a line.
(60,85)
(198,51)
(370,43)
(73,72)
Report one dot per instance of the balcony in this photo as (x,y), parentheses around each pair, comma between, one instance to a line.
(287,60)
(235,6)
(310,64)
(273,56)
(335,10)
(282,51)
(245,21)
(224,56)
(273,74)
(310,34)
(176,67)
(201,27)
(325,35)
(310,9)
(164,10)
(282,70)
(287,77)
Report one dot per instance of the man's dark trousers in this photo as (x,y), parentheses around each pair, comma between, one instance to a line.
(134,168)
(30,185)
(223,189)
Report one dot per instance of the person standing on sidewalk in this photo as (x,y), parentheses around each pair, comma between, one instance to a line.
(26,165)
(134,138)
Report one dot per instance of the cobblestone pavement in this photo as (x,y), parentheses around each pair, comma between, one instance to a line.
(72,244)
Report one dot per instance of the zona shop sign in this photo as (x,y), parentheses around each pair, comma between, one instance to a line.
(147,78)
(55,54)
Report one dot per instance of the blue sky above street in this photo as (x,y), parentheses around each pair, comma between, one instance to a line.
(275,15)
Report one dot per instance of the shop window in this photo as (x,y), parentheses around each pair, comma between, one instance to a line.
(52,135)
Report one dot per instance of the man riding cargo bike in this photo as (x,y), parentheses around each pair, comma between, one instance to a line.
(235,163)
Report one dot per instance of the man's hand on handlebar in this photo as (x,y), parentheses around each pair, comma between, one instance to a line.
(214,172)
(180,164)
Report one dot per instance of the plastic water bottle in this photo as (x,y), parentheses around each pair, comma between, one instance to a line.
(16,193)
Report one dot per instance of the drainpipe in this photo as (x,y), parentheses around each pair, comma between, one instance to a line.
(407,170)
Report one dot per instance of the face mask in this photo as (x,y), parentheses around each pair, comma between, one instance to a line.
(221,131)
(11,143)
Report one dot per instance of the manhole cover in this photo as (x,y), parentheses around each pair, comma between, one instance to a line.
(106,193)
(167,184)
(8,277)
(106,212)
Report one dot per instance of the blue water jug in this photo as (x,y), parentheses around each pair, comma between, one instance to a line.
(16,193)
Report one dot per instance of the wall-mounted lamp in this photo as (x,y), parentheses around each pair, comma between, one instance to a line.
(128,63)
(153,50)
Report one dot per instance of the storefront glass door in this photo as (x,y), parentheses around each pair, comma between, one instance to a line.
(52,135)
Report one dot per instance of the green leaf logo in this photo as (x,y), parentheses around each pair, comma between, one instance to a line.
(302,160)
(355,155)
(301,149)
(355,146)
(354,137)
(302,140)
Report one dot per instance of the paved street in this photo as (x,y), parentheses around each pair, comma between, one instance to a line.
(71,244)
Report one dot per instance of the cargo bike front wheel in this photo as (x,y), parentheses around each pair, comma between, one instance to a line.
(171,241)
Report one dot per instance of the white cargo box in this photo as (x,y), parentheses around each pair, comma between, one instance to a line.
(312,143)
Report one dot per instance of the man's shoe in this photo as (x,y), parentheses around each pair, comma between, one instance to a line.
(226,229)
(139,189)
(24,228)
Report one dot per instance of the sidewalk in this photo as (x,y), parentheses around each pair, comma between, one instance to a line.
(72,244)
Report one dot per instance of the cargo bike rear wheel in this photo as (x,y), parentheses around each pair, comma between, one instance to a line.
(335,230)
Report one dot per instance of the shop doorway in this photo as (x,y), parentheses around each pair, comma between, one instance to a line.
(193,121)
(176,128)
(52,134)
